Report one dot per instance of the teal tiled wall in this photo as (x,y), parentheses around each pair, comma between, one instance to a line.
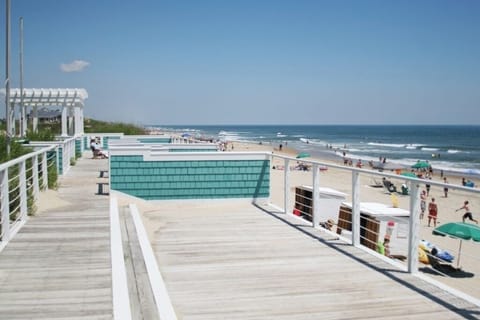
(154,140)
(192,150)
(78,147)
(192,179)
(60,160)
(86,144)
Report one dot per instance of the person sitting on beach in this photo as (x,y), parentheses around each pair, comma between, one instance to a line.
(467,214)
(359,163)
(384,247)
(389,185)
(327,224)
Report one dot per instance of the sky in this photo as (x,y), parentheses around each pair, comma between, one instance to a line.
(255,61)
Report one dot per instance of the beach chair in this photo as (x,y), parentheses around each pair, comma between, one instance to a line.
(374,183)
(96,153)
(389,186)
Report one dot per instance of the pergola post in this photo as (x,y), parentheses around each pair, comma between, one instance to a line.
(70,121)
(77,118)
(35,119)
(64,121)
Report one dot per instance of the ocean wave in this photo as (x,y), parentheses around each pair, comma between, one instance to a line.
(453,151)
(413,146)
(429,149)
(390,145)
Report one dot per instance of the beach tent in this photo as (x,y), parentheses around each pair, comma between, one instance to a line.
(459,230)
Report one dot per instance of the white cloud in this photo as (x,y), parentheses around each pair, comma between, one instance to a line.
(74,66)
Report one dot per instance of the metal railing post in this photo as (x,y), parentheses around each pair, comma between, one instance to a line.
(355,209)
(316,196)
(45,170)
(36,187)
(413,230)
(286,184)
(22,180)
(5,205)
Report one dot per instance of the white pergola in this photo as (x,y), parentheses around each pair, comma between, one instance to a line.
(71,101)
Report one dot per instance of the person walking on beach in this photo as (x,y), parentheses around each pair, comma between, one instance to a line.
(445,189)
(467,214)
(423,203)
(427,186)
(432,212)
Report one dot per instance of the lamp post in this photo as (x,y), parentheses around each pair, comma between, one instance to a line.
(23,116)
(7,77)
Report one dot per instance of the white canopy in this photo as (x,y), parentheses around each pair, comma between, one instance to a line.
(48,97)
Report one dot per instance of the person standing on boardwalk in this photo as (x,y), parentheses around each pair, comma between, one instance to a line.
(432,212)
(467,214)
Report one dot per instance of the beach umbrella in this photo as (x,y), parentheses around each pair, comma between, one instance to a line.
(421,165)
(459,230)
(303,155)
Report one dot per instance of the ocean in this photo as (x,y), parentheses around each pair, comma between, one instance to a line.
(451,148)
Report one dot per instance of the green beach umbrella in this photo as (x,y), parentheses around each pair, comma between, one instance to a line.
(459,230)
(421,165)
(303,155)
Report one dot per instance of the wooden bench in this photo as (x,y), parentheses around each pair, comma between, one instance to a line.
(101,186)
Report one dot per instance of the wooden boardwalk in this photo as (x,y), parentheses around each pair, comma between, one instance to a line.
(219,261)
(238,261)
(58,265)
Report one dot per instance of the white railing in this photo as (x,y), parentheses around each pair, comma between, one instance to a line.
(21,180)
(361,234)
(68,153)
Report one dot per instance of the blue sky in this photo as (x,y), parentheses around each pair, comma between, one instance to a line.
(256,62)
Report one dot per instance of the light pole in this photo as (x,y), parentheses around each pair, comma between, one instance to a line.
(23,116)
(7,78)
